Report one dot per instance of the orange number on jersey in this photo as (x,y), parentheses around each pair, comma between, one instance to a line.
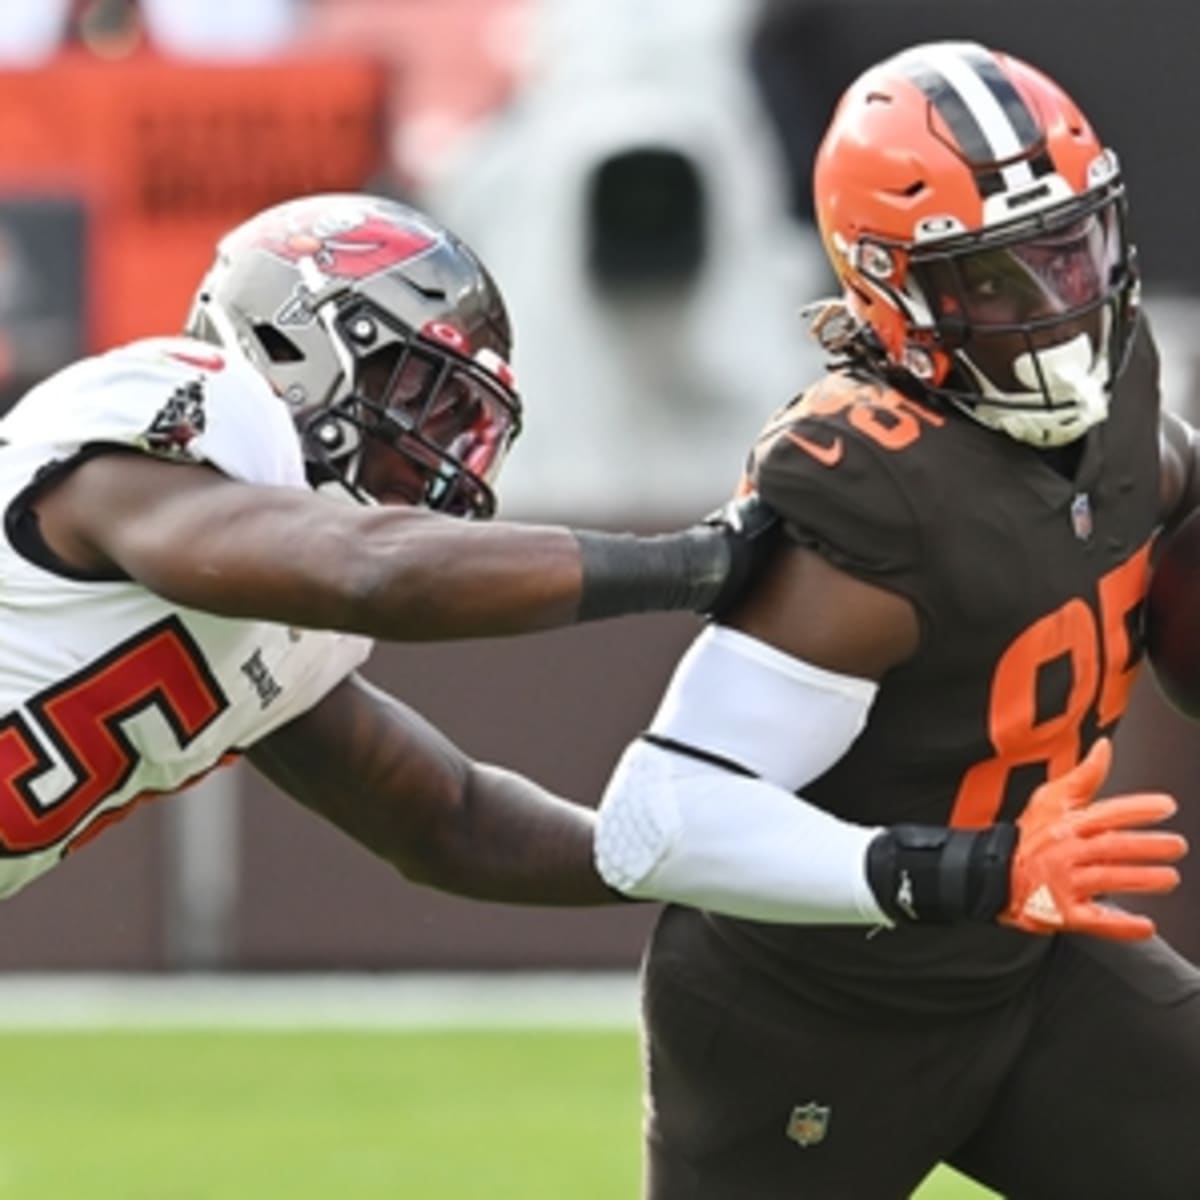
(888,418)
(1018,737)
(891,420)
(81,718)
(1121,592)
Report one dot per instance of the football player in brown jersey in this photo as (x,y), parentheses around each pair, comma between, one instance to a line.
(884,752)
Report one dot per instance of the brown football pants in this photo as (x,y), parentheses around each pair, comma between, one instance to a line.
(1086,1086)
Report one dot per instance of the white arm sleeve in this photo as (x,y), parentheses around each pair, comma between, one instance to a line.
(675,827)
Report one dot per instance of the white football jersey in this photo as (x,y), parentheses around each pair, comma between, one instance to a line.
(108,693)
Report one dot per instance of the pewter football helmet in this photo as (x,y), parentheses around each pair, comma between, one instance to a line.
(385,336)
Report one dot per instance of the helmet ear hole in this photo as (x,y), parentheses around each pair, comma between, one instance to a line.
(277,346)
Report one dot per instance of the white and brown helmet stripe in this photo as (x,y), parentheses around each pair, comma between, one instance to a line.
(995,132)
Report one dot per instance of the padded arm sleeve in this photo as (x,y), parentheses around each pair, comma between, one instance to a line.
(672,827)
(675,824)
(741,700)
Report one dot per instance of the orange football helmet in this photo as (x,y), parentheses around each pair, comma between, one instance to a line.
(978,227)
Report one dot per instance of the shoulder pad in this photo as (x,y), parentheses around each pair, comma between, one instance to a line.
(175,398)
(867,408)
(827,464)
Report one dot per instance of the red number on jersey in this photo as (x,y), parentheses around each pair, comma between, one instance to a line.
(161,668)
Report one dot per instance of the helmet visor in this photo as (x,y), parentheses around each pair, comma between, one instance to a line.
(1050,273)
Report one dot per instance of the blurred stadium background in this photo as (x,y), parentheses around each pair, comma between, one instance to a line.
(636,176)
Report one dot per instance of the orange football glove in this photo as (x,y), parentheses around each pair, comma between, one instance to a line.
(1071,851)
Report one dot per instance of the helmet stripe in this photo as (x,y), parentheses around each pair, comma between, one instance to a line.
(1015,109)
(953,109)
(983,111)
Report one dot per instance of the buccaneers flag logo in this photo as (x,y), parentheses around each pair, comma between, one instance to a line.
(178,423)
(351,242)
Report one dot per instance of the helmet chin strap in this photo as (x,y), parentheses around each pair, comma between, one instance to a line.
(1068,395)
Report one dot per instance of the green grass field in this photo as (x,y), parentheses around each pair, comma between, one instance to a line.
(459,1115)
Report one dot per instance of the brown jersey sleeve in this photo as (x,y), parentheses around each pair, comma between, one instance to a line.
(833,465)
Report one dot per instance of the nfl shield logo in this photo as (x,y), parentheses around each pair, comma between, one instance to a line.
(808,1124)
(1081,516)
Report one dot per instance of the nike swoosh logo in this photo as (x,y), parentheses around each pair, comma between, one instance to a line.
(827,456)
(206,362)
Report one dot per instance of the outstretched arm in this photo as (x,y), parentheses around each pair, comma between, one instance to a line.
(384,776)
(287,555)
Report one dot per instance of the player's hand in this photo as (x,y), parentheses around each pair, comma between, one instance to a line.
(1071,851)
(750,528)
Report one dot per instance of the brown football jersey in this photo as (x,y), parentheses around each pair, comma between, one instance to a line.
(1028,585)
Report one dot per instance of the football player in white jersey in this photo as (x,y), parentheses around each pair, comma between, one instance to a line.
(203,535)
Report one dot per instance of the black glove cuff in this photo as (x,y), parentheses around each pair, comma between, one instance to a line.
(623,573)
(934,874)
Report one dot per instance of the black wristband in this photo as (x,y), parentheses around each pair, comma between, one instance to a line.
(934,874)
(624,573)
